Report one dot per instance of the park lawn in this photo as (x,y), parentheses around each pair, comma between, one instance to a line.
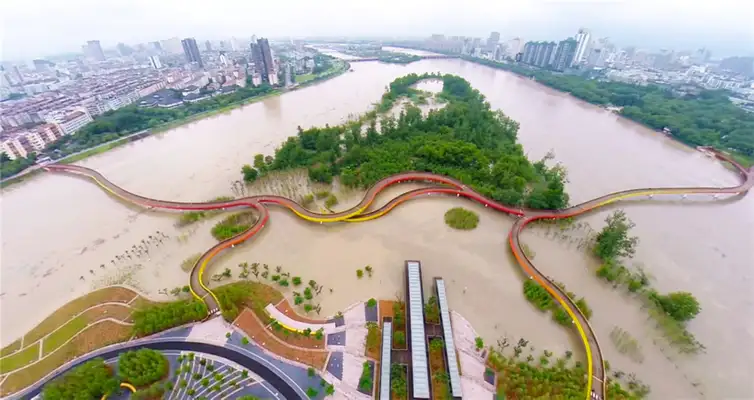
(62,335)
(258,297)
(19,359)
(304,78)
(94,337)
(71,309)
(11,348)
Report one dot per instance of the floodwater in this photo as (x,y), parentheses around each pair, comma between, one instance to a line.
(60,233)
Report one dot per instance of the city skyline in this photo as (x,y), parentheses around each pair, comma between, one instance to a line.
(650,25)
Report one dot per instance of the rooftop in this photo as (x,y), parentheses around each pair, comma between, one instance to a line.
(419,367)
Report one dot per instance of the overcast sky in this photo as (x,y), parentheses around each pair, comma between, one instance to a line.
(34,28)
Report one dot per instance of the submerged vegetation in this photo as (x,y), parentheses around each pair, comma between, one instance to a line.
(671,311)
(461,218)
(542,299)
(233,225)
(466,140)
(547,378)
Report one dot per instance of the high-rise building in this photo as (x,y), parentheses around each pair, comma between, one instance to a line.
(235,44)
(93,50)
(154,61)
(155,46)
(514,47)
(493,40)
(596,57)
(14,75)
(208,45)
(564,55)
(261,56)
(583,38)
(256,57)
(546,55)
(539,54)
(191,50)
(123,50)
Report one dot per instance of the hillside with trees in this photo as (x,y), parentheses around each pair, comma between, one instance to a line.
(466,140)
(708,118)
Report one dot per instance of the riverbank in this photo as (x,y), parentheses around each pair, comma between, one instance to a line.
(738,157)
(631,98)
(337,70)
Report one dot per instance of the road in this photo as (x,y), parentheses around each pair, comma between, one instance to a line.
(251,363)
(452,187)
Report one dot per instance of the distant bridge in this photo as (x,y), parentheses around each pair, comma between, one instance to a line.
(428,57)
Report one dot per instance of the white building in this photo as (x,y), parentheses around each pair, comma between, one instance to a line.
(583,39)
(74,121)
(15,146)
(514,46)
(224,59)
(154,61)
(40,136)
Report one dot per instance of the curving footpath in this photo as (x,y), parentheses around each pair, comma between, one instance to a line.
(264,369)
(595,370)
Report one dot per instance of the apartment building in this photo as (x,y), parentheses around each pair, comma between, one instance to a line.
(74,121)
(20,143)
(15,146)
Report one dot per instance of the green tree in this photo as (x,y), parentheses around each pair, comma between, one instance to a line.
(142,367)
(681,306)
(93,379)
(249,174)
(259,163)
(613,240)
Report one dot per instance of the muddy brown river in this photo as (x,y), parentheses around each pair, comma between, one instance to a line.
(61,235)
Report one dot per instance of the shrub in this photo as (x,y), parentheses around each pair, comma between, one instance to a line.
(681,306)
(158,317)
(331,201)
(372,303)
(244,340)
(296,280)
(93,379)
(233,225)
(399,337)
(359,273)
(365,381)
(461,218)
(249,174)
